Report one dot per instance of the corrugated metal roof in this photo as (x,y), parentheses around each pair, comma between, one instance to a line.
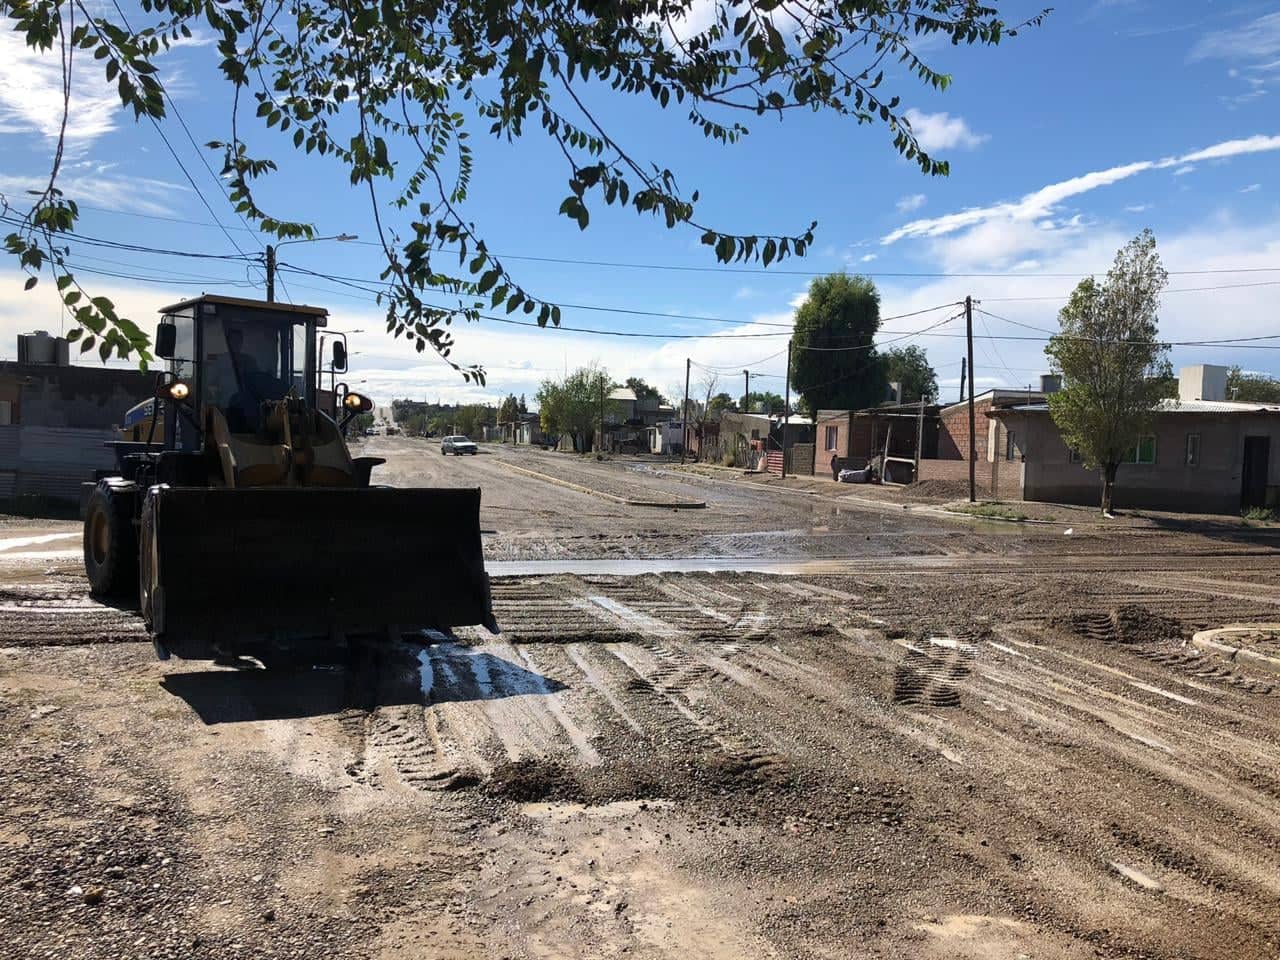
(1216,406)
(623,393)
(1172,406)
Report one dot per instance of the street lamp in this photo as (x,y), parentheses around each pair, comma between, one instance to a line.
(271,258)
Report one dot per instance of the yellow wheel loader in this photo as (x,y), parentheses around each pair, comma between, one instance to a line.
(238,516)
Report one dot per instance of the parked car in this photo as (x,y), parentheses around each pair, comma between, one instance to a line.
(457,445)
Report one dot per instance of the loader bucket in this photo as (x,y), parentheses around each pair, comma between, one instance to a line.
(226,571)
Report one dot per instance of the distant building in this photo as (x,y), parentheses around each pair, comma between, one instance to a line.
(55,418)
(1204,454)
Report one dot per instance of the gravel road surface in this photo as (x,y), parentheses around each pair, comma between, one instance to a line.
(943,740)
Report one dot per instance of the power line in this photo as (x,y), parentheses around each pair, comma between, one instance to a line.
(924,275)
(1219,341)
(178,160)
(1223,286)
(139,248)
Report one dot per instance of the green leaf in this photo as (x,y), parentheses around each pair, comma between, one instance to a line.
(31,282)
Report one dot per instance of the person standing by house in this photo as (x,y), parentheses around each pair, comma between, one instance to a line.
(835,467)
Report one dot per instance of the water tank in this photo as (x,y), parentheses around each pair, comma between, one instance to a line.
(1204,381)
(36,347)
(1050,383)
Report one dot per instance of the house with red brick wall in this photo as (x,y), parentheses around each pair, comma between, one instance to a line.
(953,422)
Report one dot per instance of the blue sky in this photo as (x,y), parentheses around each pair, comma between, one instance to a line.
(1064,142)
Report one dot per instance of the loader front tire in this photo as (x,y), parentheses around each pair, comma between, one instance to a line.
(110,544)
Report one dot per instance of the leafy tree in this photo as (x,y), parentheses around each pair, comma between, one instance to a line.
(362,422)
(523,407)
(766,402)
(910,367)
(471,420)
(509,410)
(572,405)
(392,91)
(642,390)
(834,363)
(719,403)
(1111,363)
(1252,387)
(437,426)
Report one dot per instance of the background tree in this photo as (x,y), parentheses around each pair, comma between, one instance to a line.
(765,402)
(523,407)
(509,409)
(572,405)
(392,92)
(1111,363)
(1251,387)
(910,367)
(719,404)
(643,391)
(472,419)
(841,312)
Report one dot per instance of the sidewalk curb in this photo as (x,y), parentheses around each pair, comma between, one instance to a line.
(1204,640)
(664,504)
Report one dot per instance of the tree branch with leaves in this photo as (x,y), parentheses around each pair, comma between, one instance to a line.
(394,91)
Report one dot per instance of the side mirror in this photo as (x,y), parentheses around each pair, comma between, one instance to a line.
(166,340)
(339,356)
(357,403)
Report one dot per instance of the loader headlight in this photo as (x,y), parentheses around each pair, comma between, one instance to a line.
(179,390)
(357,403)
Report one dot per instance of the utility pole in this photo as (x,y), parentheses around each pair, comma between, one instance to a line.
(271,273)
(601,450)
(963,371)
(684,419)
(919,438)
(973,438)
(746,396)
(786,413)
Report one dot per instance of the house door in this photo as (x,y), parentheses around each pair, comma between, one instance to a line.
(1253,482)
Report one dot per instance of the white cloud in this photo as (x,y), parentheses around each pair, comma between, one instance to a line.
(31,95)
(1183,171)
(1045,201)
(941,131)
(93,184)
(911,203)
(867,258)
(1137,208)
(1251,188)
(1233,148)
(1256,40)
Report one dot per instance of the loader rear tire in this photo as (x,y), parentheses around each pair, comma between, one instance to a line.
(110,545)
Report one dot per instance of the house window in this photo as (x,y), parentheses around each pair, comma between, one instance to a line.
(1144,451)
(1193,450)
(1073,455)
(755,434)
(1011,446)
(833,434)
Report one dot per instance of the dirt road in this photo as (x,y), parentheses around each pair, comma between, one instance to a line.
(959,743)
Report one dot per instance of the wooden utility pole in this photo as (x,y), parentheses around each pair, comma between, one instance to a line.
(919,438)
(271,273)
(963,370)
(973,438)
(601,450)
(684,419)
(746,395)
(786,414)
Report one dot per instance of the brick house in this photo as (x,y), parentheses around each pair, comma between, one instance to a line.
(855,436)
(953,420)
(1204,454)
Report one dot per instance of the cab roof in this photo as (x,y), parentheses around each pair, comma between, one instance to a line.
(320,313)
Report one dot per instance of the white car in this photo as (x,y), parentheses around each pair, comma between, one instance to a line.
(457,446)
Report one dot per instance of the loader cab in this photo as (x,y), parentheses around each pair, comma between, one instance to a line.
(236,354)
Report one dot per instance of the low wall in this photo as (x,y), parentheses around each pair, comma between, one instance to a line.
(993,479)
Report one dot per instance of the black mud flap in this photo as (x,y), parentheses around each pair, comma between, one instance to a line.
(226,571)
